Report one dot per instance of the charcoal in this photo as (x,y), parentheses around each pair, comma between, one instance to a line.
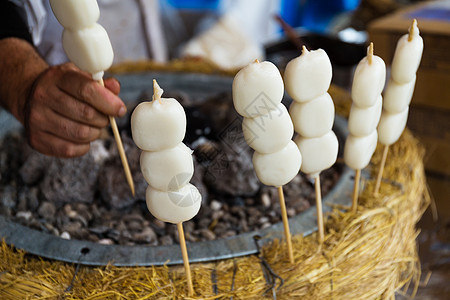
(113,184)
(34,167)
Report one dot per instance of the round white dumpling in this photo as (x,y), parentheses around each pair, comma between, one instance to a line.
(89,48)
(407,57)
(270,132)
(318,153)
(362,121)
(391,126)
(368,81)
(157,126)
(277,169)
(76,14)
(313,118)
(308,76)
(175,206)
(398,96)
(168,170)
(358,150)
(257,89)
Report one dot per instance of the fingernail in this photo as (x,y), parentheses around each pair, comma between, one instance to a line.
(122,111)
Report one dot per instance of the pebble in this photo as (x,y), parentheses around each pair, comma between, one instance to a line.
(249,201)
(215,205)
(290,212)
(99,230)
(24,215)
(65,235)
(47,210)
(134,217)
(93,238)
(265,200)
(72,214)
(263,220)
(265,225)
(166,240)
(216,215)
(106,242)
(135,225)
(244,225)
(8,196)
(67,208)
(22,201)
(83,210)
(125,234)
(95,211)
(73,228)
(82,220)
(229,233)
(238,211)
(208,234)
(147,235)
(33,198)
(159,224)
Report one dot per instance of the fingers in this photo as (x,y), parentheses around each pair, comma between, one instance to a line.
(59,136)
(64,128)
(81,87)
(78,111)
(49,144)
(66,110)
(113,85)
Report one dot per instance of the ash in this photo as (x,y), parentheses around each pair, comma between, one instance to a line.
(87,198)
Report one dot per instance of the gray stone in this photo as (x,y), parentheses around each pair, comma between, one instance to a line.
(47,210)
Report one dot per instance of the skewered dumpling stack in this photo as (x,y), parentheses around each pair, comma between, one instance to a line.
(368,83)
(158,128)
(257,93)
(400,87)
(85,42)
(307,80)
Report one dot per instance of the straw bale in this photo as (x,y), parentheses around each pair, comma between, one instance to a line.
(368,255)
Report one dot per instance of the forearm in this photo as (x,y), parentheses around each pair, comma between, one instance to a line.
(20,65)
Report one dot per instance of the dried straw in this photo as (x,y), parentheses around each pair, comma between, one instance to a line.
(370,254)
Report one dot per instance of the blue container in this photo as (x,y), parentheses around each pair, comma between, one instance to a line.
(195,4)
(314,15)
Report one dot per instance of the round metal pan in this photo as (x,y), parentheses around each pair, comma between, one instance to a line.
(199,87)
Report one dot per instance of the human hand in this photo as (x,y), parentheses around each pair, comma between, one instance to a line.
(66,110)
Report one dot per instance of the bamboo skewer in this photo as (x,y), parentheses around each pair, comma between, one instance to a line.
(320,227)
(356,190)
(380,171)
(184,253)
(123,157)
(284,217)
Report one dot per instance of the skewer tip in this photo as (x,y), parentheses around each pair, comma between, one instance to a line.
(413,30)
(304,49)
(370,53)
(157,91)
